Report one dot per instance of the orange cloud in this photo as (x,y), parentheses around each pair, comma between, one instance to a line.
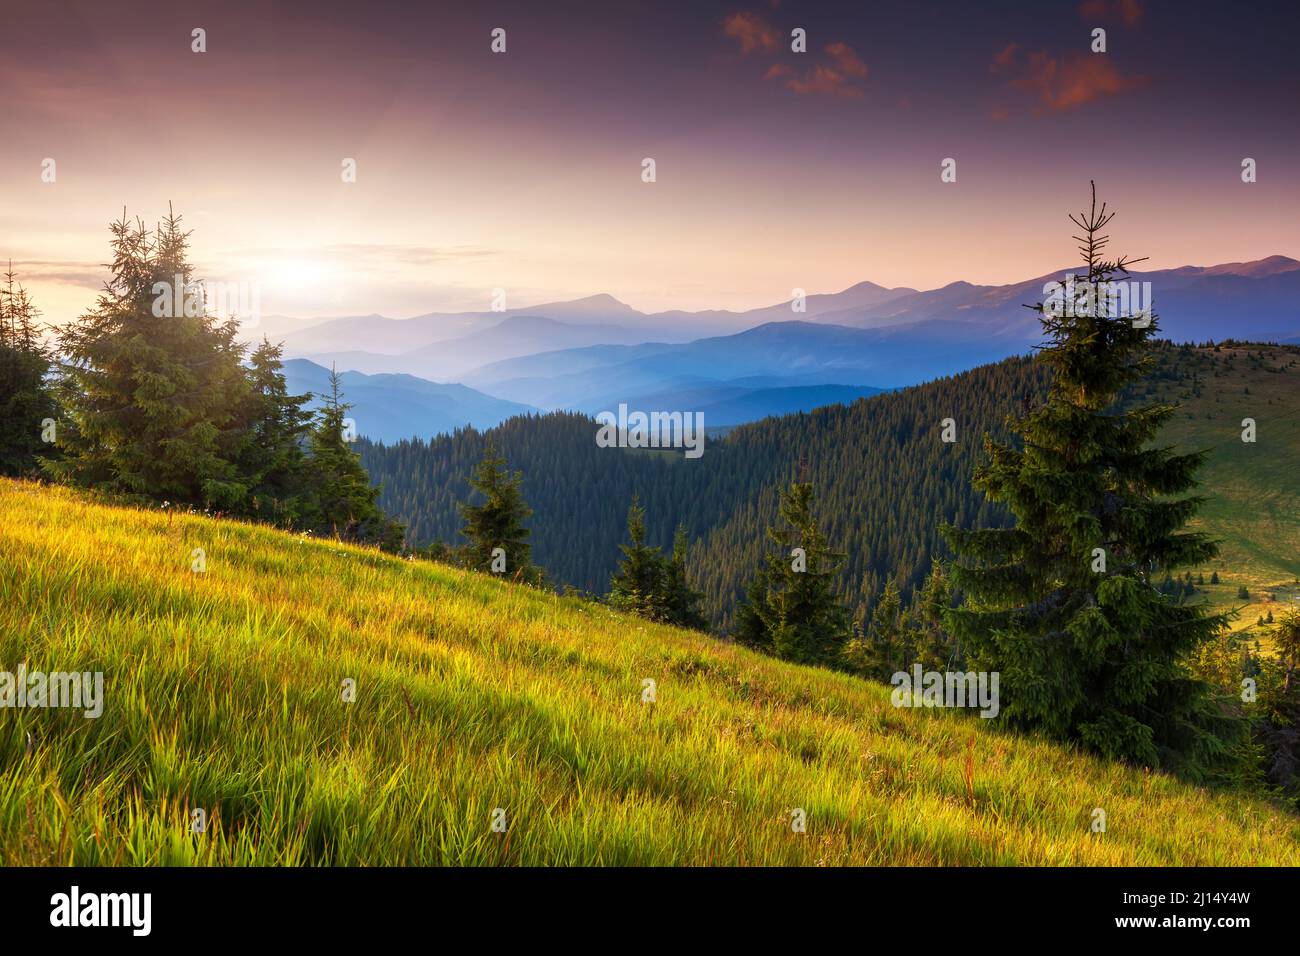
(834,76)
(846,61)
(1062,85)
(1005,57)
(752,32)
(823,80)
(1127,11)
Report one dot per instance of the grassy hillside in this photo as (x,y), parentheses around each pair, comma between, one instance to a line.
(223,691)
(1253,489)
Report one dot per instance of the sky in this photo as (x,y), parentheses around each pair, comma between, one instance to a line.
(523,170)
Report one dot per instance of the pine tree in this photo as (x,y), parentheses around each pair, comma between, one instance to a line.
(1279,728)
(1100,657)
(498,522)
(272,459)
(885,650)
(929,643)
(790,610)
(342,498)
(153,384)
(26,402)
(680,602)
(638,585)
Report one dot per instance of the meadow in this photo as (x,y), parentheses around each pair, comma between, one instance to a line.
(1252,489)
(479,701)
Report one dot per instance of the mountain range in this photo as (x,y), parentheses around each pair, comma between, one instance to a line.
(593,353)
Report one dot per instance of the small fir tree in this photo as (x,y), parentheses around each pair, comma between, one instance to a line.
(790,609)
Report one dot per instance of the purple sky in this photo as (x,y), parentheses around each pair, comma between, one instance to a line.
(522,170)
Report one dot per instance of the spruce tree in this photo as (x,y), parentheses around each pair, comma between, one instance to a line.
(1279,727)
(638,584)
(26,402)
(271,458)
(342,499)
(152,383)
(680,602)
(498,522)
(884,651)
(790,609)
(927,637)
(1091,652)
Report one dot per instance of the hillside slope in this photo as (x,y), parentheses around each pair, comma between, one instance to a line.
(1252,489)
(222,692)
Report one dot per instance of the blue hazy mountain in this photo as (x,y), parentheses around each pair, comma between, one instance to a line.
(390,407)
(785,354)
(1258,300)
(592,353)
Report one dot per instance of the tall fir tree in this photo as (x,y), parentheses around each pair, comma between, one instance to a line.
(790,609)
(27,405)
(152,382)
(498,522)
(1089,650)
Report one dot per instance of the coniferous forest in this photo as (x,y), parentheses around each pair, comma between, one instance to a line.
(884,480)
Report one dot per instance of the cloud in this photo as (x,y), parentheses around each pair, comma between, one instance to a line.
(1005,57)
(1064,84)
(402,255)
(834,75)
(90,275)
(846,60)
(1129,12)
(825,79)
(752,32)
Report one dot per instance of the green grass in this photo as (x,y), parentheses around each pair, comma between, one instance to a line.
(1253,489)
(223,692)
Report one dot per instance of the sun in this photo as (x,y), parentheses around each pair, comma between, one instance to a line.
(294,274)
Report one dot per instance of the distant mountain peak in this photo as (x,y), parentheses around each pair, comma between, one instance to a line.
(602,304)
(602,299)
(1270,265)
